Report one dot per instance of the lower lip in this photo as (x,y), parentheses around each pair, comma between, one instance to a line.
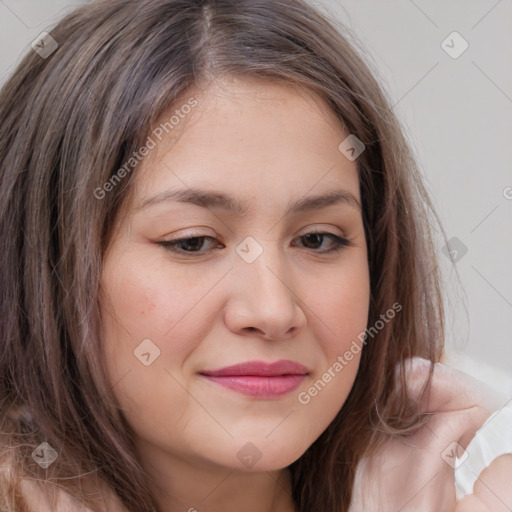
(259,386)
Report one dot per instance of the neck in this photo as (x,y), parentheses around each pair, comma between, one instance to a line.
(197,486)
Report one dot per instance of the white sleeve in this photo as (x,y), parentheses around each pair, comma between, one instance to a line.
(492,440)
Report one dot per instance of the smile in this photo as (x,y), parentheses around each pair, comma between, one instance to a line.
(260,379)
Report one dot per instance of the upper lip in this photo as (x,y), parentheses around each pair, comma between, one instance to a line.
(259,368)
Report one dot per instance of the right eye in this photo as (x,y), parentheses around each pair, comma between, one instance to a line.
(190,245)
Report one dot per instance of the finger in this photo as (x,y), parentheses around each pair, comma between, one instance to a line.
(471,503)
(451,389)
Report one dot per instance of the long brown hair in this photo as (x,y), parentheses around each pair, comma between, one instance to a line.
(68,122)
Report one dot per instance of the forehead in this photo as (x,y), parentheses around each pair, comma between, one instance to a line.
(247,136)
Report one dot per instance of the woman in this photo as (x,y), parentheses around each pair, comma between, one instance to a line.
(219,289)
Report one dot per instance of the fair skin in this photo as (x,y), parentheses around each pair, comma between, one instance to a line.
(410,475)
(406,474)
(267,145)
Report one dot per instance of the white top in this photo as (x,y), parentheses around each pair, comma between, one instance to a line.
(494,438)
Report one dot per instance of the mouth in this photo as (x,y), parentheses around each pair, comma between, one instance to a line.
(259,379)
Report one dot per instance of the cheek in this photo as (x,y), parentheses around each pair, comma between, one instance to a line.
(321,398)
(139,296)
(342,306)
(145,301)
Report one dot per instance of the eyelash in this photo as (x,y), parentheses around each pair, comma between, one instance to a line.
(339,243)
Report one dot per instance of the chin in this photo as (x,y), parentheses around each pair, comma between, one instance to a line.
(266,454)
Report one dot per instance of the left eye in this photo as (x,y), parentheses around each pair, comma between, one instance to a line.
(194,244)
(338,242)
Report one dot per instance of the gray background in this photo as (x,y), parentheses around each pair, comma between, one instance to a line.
(457,113)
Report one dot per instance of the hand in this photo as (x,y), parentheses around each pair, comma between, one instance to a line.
(492,492)
(408,473)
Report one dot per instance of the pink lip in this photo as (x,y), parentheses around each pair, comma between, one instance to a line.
(260,379)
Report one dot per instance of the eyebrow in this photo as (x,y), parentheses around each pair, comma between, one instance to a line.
(219,200)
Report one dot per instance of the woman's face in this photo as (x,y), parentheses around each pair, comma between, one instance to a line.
(253,286)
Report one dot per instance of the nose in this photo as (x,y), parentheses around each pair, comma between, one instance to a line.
(263,298)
